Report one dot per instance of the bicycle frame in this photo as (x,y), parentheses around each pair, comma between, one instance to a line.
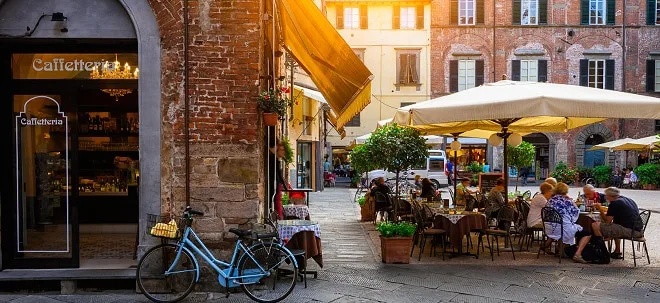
(227,275)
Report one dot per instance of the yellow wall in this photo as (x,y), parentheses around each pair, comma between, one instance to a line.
(296,128)
(380,43)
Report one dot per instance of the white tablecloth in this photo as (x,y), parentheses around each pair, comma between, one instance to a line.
(288,228)
(299,211)
(455,217)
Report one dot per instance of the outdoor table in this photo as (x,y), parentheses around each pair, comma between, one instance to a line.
(296,211)
(460,225)
(586,219)
(302,234)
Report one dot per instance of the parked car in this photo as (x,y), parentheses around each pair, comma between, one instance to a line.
(434,170)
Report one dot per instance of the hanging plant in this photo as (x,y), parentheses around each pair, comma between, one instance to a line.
(274,101)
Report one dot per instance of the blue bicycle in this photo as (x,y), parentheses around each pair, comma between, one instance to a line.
(264,269)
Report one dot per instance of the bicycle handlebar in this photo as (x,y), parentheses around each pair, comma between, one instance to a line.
(193,212)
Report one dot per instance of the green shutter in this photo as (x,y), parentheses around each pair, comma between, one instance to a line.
(478,73)
(543,11)
(515,70)
(584,12)
(453,76)
(650,76)
(611,12)
(650,12)
(516,12)
(542,71)
(609,74)
(584,72)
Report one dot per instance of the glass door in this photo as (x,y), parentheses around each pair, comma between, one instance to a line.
(44,220)
(304,165)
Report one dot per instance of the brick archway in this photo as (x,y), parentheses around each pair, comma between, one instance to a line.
(581,138)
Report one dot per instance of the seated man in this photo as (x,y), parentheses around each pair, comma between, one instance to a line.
(462,190)
(622,220)
(591,196)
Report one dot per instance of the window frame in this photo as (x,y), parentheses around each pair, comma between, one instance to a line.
(354,122)
(524,66)
(601,75)
(409,18)
(406,104)
(464,12)
(351,12)
(465,78)
(536,10)
(603,10)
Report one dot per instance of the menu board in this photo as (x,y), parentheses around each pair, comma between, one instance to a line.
(487,181)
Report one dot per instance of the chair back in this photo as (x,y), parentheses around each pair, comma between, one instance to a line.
(470,202)
(427,213)
(382,200)
(551,215)
(524,209)
(504,211)
(534,196)
(451,194)
(482,200)
(644,215)
(527,195)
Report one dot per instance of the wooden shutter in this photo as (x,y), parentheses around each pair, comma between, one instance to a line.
(396,17)
(516,11)
(453,76)
(611,12)
(478,73)
(609,74)
(412,63)
(454,12)
(650,75)
(584,12)
(543,71)
(480,12)
(340,16)
(403,65)
(420,16)
(364,17)
(584,72)
(515,70)
(650,12)
(543,11)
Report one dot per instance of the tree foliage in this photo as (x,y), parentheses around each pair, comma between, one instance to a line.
(521,156)
(361,159)
(397,148)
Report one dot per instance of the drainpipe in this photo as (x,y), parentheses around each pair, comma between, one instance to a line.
(622,122)
(186,100)
(494,75)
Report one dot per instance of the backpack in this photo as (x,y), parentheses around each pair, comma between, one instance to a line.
(595,252)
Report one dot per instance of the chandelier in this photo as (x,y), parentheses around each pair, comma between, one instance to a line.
(113,71)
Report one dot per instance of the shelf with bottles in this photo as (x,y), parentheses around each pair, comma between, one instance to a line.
(103,184)
(103,124)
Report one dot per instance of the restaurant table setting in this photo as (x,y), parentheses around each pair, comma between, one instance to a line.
(302,234)
(458,223)
(587,218)
(296,211)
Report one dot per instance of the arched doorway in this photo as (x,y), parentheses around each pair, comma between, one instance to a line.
(593,158)
(129,29)
(542,161)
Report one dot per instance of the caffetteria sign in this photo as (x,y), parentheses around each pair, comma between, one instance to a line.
(65,66)
(40,122)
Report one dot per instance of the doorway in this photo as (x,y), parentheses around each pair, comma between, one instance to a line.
(593,158)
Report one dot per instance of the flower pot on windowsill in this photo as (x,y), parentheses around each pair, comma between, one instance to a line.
(395,249)
(270,119)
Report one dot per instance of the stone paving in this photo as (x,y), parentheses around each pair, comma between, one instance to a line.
(352,272)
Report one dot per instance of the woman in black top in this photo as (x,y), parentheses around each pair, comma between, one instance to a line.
(428,191)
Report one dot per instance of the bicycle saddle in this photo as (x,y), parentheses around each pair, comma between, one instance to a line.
(248,233)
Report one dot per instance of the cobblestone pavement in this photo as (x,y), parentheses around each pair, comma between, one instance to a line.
(352,272)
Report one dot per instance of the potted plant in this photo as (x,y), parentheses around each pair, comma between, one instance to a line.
(273,104)
(367,211)
(475,168)
(648,175)
(396,241)
(564,174)
(602,175)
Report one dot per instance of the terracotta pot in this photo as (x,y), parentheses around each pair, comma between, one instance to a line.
(395,249)
(649,186)
(367,212)
(270,119)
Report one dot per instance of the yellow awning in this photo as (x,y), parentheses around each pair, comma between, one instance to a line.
(338,73)
(333,120)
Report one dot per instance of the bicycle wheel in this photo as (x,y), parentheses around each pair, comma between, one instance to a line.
(280,273)
(160,287)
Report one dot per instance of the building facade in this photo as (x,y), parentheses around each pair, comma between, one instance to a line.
(597,43)
(392,39)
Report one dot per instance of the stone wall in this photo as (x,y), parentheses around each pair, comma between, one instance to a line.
(225,132)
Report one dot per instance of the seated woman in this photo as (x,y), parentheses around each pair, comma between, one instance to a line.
(561,202)
(538,203)
(428,191)
(381,194)
(418,181)
(462,190)
(497,203)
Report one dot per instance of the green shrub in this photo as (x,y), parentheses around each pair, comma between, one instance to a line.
(401,229)
(648,174)
(361,200)
(585,172)
(564,174)
(475,168)
(603,174)
(285,199)
(288,151)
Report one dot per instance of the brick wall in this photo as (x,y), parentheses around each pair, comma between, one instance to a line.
(563,52)
(225,150)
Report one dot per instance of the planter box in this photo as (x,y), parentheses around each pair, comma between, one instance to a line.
(650,187)
(368,211)
(395,249)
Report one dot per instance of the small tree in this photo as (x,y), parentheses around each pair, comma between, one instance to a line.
(397,148)
(361,160)
(521,156)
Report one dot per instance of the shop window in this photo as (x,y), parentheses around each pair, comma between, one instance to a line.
(355,122)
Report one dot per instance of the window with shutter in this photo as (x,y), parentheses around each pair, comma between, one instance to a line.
(479,19)
(657,126)
(657,12)
(340,16)
(364,17)
(408,17)
(596,74)
(584,72)
(515,70)
(420,17)
(529,70)
(351,17)
(408,67)
(653,76)
(529,13)
(609,74)
(478,73)
(653,12)
(610,19)
(584,12)
(396,17)
(597,12)
(467,12)
(466,74)
(657,75)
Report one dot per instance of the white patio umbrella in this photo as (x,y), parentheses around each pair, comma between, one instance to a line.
(642,144)
(515,107)
(612,144)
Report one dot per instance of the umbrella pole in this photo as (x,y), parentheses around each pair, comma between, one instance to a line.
(453,199)
(505,135)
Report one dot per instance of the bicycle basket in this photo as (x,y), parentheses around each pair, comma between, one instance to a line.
(165,226)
